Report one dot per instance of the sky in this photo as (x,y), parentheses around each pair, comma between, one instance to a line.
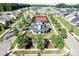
(41,1)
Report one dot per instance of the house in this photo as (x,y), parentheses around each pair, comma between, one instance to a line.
(12,16)
(5,19)
(40,18)
(39,28)
(2,20)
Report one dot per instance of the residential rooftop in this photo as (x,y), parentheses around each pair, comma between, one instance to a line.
(40,18)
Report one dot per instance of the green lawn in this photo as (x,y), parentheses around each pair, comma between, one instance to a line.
(55,23)
(1,39)
(13,45)
(69,26)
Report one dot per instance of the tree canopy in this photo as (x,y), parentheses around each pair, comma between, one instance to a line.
(40,43)
(11,6)
(62,5)
(58,41)
(22,40)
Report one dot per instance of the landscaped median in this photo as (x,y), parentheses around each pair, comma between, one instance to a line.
(58,40)
(58,27)
(69,26)
(39,42)
(50,18)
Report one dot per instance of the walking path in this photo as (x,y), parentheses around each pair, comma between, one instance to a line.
(6,44)
(52,26)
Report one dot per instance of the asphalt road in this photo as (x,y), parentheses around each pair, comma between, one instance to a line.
(8,39)
(73,44)
(6,44)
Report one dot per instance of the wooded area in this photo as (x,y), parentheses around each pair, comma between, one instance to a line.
(11,6)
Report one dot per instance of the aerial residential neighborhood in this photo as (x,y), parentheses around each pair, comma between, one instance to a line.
(39,30)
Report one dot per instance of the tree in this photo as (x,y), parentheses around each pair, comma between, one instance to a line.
(71,29)
(63,33)
(40,43)
(8,24)
(20,25)
(46,43)
(58,41)
(22,40)
(2,27)
(58,26)
(15,31)
(76,6)
(24,20)
(1,8)
(29,19)
(61,5)
(10,7)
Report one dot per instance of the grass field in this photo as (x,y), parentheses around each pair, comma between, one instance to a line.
(13,45)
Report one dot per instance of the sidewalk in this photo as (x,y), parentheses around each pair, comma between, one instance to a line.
(52,26)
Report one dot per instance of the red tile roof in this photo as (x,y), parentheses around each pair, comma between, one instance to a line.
(40,18)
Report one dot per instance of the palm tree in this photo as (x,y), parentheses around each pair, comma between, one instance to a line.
(15,31)
(58,41)
(40,43)
(24,20)
(22,40)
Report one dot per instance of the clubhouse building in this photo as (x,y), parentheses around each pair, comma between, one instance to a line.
(39,25)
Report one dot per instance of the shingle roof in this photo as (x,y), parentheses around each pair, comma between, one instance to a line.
(44,27)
